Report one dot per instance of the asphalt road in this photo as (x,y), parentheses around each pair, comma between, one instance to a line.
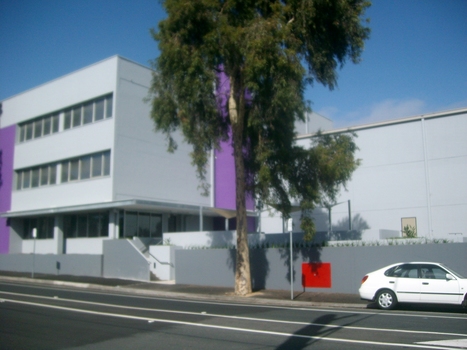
(45,317)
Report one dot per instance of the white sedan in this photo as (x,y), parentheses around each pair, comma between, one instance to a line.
(414,282)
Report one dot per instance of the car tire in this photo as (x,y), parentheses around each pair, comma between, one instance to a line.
(386,299)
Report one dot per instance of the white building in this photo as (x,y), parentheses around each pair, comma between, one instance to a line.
(81,163)
(412,173)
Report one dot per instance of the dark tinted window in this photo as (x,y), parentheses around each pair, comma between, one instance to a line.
(404,271)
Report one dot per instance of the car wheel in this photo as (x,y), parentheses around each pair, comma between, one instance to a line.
(386,300)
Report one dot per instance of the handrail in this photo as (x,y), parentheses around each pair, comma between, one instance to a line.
(147,250)
(160,262)
(139,251)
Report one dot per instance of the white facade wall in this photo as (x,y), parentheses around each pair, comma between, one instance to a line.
(409,168)
(412,169)
(82,85)
(143,168)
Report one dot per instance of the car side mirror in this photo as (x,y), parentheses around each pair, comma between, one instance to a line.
(449,277)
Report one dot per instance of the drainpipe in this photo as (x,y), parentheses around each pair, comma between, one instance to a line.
(427,178)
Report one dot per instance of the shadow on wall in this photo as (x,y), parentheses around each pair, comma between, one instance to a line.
(259,263)
(306,254)
(341,232)
(302,252)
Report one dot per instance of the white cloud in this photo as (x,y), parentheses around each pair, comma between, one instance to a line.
(388,109)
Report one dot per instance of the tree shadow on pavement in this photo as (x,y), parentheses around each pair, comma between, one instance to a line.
(322,327)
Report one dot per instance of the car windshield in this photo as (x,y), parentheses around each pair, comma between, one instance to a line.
(458,275)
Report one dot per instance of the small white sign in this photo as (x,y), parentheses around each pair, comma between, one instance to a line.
(290,225)
(34,233)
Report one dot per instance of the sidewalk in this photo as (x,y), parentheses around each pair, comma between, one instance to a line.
(169,289)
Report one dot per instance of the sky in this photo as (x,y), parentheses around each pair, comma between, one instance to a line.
(415,61)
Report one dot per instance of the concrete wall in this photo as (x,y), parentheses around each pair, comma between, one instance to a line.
(76,265)
(123,260)
(270,267)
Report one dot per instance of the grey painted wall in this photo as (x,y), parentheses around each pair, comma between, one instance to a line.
(122,260)
(71,264)
(270,267)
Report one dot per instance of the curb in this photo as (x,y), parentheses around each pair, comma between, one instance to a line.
(251,299)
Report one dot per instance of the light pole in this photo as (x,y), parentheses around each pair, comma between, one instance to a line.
(34,236)
(290,229)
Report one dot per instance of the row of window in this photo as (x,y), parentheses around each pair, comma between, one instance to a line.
(43,225)
(81,114)
(88,112)
(137,224)
(39,127)
(86,225)
(82,168)
(96,224)
(94,165)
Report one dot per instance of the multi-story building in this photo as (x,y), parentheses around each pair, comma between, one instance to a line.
(81,163)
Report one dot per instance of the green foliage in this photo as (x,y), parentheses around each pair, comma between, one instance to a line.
(409,231)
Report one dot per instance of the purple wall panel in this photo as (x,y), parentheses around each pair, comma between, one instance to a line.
(7,146)
(224,168)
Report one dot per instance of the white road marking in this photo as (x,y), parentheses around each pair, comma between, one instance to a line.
(236,329)
(296,308)
(455,343)
(243,318)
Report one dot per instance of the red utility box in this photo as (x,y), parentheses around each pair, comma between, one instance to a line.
(316,275)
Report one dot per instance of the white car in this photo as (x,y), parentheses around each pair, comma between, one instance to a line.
(414,282)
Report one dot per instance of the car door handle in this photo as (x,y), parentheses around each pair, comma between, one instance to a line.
(425,283)
(391,282)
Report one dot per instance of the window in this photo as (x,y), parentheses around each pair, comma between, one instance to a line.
(38,127)
(82,168)
(96,165)
(35,177)
(26,179)
(86,167)
(74,116)
(44,175)
(99,109)
(88,112)
(29,131)
(404,271)
(87,117)
(142,225)
(67,119)
(74,169)
(433,272)
(47,126)
(44,226)
(108,106)
(94,224)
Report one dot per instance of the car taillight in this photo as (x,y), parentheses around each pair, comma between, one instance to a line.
(364,279)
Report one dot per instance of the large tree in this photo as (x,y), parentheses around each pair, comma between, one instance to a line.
(270,51)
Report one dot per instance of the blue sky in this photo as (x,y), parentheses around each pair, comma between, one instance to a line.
(415,61)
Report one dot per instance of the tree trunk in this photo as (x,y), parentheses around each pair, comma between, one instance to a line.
(242,268)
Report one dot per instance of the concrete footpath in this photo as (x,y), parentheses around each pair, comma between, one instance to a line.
(182,291)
